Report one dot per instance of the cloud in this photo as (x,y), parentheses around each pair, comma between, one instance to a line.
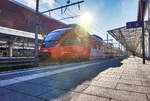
(49,2)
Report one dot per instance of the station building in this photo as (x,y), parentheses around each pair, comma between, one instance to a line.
(17,27)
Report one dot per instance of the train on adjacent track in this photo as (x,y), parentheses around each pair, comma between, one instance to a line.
(75,43)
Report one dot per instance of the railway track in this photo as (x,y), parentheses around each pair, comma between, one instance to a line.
(15,63)
(16,60)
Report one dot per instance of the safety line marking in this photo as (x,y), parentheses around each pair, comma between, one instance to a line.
(35,69)
(43,74)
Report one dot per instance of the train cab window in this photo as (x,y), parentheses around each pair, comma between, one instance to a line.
(74,39)
(53,38)
(69,40)
(56,35)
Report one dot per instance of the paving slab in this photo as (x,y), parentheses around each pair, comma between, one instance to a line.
(72,96)
(116,94)
(117,71)
(126,77)
(135,88)
(146,83)
(135,82)
(108,84)
(108,79)
(109,75)
(114,100)
(148,97)
(80,88)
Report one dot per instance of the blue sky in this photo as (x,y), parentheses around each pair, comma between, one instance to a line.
(107,14)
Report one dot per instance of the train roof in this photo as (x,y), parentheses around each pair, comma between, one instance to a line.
(97,37)
(62,29)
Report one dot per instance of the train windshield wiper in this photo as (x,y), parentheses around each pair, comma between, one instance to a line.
(51,40)
(50,43)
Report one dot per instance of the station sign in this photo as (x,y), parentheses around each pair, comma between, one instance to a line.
(134,24)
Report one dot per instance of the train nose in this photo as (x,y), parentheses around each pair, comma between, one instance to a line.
(45,56)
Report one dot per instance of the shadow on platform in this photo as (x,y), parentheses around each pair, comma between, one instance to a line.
(64,82)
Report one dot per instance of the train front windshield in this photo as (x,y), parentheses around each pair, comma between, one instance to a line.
(53,38)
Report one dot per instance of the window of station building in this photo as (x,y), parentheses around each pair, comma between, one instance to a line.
(98,46)
(103,48)
(93,43)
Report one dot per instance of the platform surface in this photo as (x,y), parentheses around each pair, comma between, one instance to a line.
(107,80)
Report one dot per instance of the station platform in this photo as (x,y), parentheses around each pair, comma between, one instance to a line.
(107,80)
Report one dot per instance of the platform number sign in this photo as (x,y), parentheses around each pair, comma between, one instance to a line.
(134,24)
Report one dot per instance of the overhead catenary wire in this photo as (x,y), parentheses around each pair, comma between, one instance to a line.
(69,13)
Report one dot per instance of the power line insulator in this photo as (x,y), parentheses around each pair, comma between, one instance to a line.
(65,10)
(49,14)
(79,6)
(61,11)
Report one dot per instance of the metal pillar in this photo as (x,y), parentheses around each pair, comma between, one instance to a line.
(149,46)
(36,32)
(23,53)
(107,38)
(10,46)
(112,47)
(119,44)
(149,31)
(10,50)
(119,49)
(143,38)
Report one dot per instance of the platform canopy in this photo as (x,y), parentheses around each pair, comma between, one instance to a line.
(129,38)
(18,33)
(18,37)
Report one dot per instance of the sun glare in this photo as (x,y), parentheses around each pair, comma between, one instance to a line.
(86,21)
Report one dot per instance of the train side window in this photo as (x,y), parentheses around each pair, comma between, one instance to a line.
(69,40)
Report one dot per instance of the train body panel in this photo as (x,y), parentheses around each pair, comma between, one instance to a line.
(96,54)
(74,52)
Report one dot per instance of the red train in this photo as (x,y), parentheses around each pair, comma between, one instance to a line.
(72,43)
